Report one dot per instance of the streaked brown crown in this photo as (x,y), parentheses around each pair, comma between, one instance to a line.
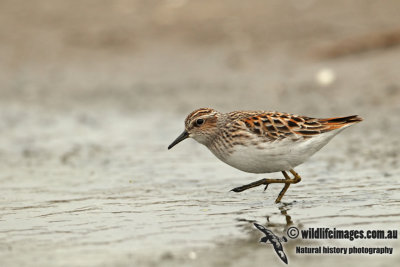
(201,113)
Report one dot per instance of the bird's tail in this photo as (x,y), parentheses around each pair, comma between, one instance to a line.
(339,122)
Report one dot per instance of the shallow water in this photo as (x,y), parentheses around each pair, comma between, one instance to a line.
(84,188)
(92,95)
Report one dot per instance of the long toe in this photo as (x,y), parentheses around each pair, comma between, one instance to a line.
(238,189)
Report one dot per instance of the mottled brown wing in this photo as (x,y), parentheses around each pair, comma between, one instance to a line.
(276,125)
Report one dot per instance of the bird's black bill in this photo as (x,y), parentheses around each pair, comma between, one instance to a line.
(180,138)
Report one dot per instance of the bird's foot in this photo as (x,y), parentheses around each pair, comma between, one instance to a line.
(251,185)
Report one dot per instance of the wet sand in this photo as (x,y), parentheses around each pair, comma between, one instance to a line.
(87,113)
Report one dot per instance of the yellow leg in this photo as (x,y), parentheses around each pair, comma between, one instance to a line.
(287,181)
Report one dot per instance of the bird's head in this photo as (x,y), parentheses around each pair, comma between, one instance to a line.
(201,125)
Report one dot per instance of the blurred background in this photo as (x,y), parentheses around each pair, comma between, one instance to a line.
(177,55)
(92,92)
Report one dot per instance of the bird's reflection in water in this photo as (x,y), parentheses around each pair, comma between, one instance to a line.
(283,209)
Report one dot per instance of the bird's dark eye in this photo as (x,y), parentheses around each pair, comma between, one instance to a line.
(199,122)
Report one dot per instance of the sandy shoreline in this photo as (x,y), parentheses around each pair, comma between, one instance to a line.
(91,98)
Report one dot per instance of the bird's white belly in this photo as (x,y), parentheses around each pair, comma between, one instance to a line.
(275,156)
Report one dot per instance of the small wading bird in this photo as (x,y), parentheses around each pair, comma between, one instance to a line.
(274,240)
(261,141)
